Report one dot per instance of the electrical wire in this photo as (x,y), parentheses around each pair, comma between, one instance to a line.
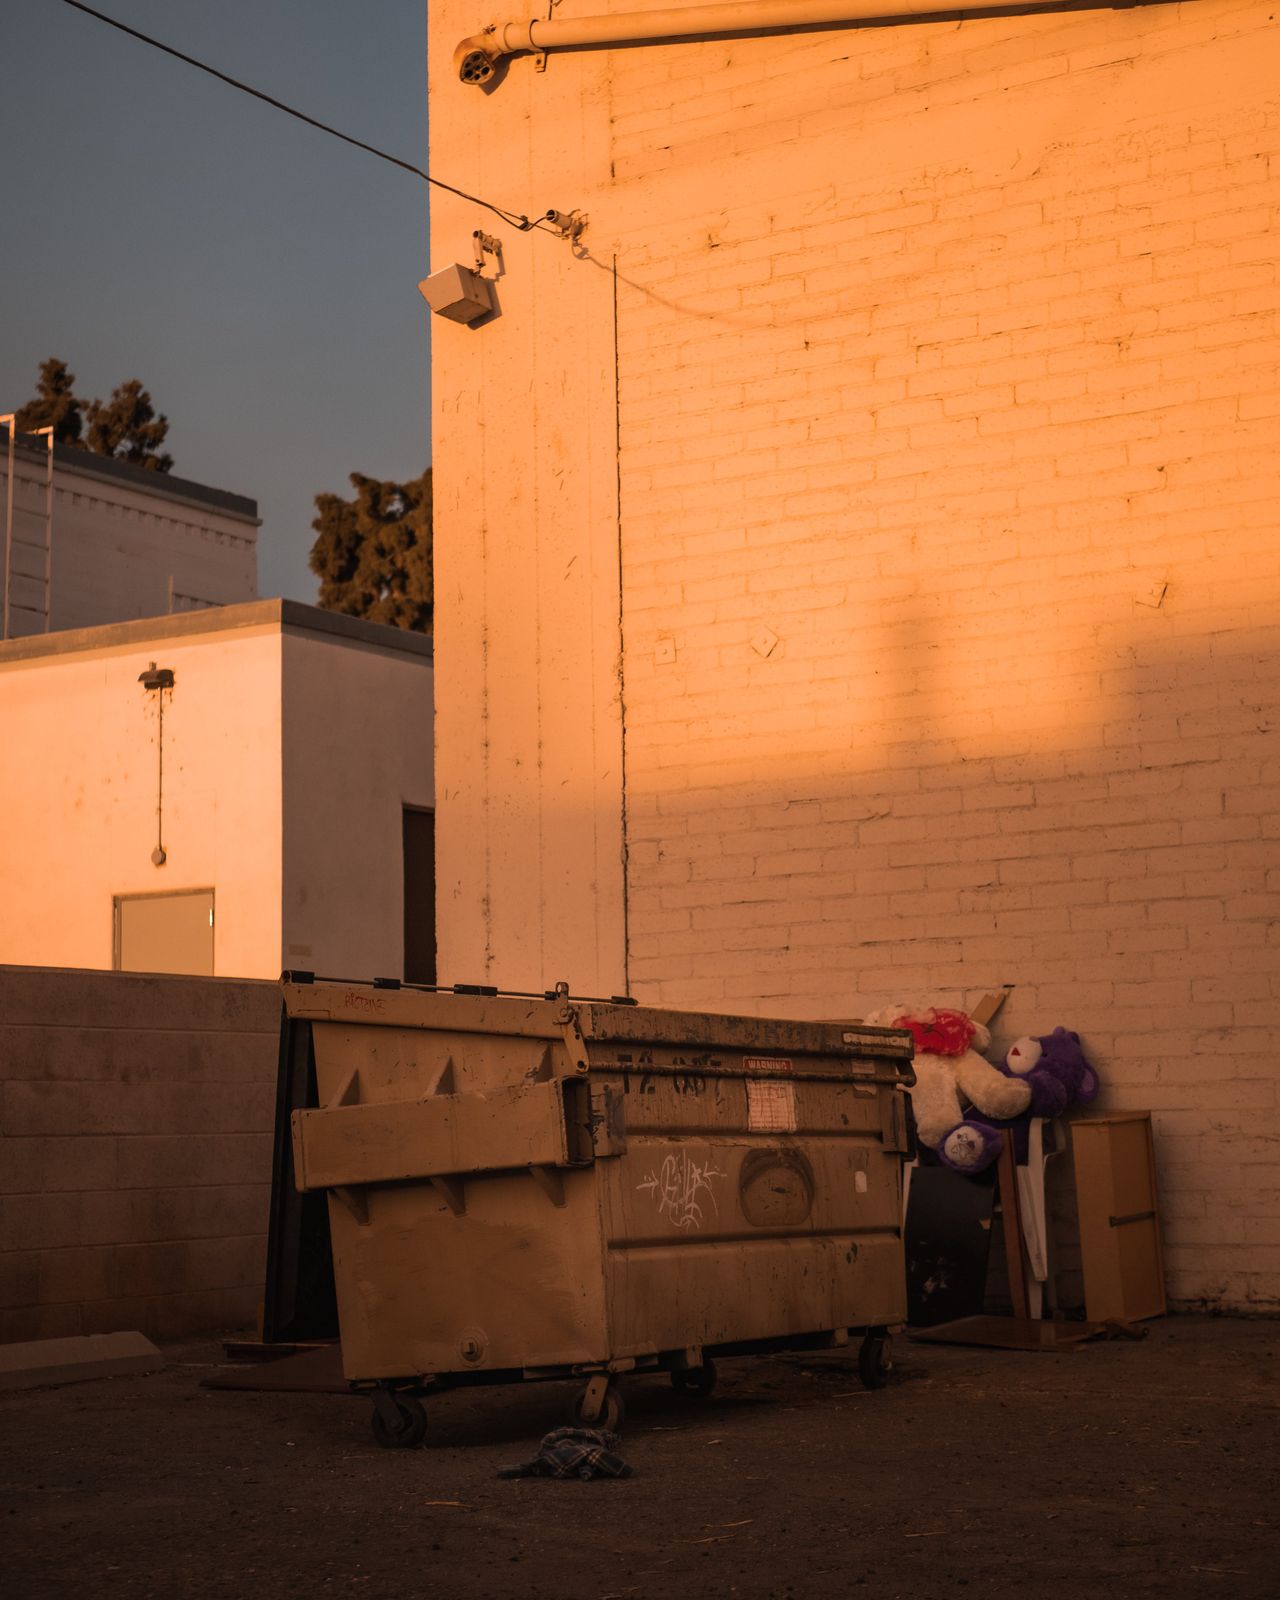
(513,219)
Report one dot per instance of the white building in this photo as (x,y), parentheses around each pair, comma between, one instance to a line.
(267,804)
(114,542)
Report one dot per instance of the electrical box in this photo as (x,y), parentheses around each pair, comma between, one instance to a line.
(458,293)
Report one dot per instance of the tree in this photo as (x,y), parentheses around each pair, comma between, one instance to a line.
(126,427)
(373,552)
(55,405)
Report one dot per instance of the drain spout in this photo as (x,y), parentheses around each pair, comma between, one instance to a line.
(478,57)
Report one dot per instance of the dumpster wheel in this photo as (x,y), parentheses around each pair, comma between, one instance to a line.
(399,1421)
(593,1410)
(695,1381)
(875,1359)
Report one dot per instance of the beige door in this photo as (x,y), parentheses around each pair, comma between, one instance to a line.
(165,932)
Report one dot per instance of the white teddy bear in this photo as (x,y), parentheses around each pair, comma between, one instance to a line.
(949,1070)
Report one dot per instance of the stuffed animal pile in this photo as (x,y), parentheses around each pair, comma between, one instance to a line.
(963,1103)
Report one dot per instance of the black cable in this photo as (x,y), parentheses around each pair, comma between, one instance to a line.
(513,219)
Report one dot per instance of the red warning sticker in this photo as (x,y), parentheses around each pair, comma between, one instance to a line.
(772,1065)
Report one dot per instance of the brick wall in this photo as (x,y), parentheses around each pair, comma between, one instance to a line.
(135,1151)
(989,448)
(948,427)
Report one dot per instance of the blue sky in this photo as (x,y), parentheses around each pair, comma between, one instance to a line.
(257,275)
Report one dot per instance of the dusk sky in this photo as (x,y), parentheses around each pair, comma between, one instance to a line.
(257,275)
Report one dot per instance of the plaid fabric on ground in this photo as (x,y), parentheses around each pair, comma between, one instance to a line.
(573,1453)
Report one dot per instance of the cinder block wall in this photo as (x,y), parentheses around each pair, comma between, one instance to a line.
(135,1151)
(948,424)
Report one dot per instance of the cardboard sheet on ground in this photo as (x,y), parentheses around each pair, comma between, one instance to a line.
(309,1372)
(1013,1333)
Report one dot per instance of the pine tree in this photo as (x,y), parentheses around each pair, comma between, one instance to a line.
(127,428)
(55,405)
(372,553)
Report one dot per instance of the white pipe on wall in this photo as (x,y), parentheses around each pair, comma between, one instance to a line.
(477,58)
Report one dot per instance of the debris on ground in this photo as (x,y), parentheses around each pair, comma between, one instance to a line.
(584,1453)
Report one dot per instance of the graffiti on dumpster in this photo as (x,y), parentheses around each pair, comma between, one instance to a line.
(681,1186)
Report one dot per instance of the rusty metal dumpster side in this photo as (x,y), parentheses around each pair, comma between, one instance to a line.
(519,1186)
(491,1261)
(759,1193)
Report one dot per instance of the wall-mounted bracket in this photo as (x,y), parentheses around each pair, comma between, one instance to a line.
(570,225)
(487,245)
(356,1201)
(551,1181)
(451,1191)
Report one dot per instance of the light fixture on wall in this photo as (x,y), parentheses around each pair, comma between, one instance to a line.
(155,680)
(459,293)
(467,294)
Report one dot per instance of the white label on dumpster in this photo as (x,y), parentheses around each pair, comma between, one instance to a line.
(771,1106)
(770,1064)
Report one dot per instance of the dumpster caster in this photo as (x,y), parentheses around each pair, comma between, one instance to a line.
(698,1381)
(875,1360)
(599,1405)
(399,1421)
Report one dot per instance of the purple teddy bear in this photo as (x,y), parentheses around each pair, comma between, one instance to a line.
(1054,1068)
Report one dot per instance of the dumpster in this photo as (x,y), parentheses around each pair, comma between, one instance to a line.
(535,1186)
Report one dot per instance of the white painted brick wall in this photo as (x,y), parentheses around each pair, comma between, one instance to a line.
(946,360)
(987,435)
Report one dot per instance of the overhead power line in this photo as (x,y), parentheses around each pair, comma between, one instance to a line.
(514,219)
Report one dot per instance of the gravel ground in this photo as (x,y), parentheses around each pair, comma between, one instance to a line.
(1115,1469)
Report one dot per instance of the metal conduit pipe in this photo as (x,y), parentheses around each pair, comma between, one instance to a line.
(477,58)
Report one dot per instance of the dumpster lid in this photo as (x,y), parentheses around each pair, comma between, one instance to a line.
(471,1010)
(720,1031)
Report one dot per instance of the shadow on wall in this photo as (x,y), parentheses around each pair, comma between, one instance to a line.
(1093,823)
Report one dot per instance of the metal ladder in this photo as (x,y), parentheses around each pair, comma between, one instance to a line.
(28,562)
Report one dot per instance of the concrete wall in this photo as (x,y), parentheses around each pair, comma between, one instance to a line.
(79,736)
(135,1152)
(126,543)
(947,423)
(357,748)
